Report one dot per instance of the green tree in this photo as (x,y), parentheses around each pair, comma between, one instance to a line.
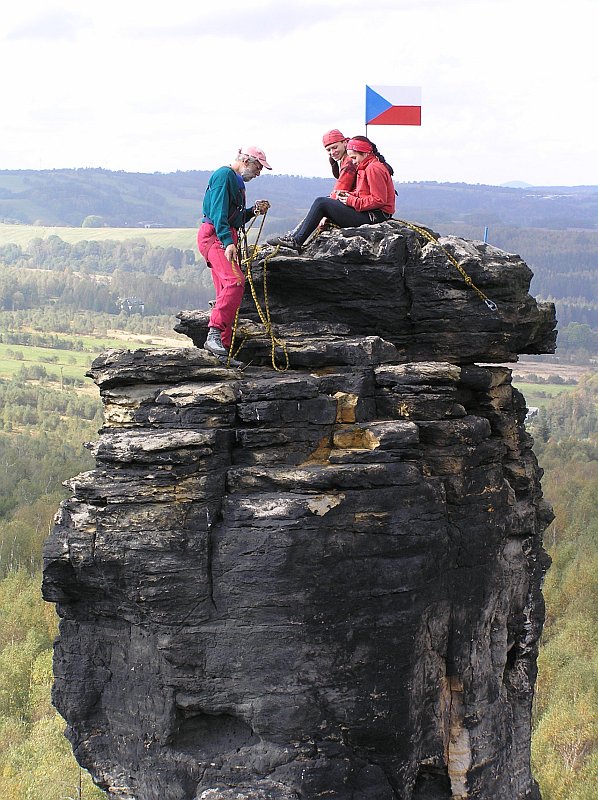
(36,761)
(93,221)
(565,736)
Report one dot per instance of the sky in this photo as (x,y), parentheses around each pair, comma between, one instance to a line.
(508,86)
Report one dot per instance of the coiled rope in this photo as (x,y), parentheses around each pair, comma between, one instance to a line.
(248,255)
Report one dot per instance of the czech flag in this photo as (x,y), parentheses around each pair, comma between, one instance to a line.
(393,105)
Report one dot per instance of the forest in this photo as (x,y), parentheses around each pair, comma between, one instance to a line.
(105,274)
(565,737)
(41,434)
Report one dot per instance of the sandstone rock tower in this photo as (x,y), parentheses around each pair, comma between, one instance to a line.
(322,582)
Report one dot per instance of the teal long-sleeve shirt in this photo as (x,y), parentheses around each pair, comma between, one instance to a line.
(224,203)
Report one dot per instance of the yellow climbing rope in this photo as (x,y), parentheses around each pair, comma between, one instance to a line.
(431,238)
(247,257)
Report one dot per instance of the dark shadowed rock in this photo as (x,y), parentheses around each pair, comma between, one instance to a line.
(323,582)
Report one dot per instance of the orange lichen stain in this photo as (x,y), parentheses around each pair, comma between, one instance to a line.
(346,405)
(355,439)
(321,455)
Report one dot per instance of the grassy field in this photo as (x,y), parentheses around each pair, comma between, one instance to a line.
(60,363)
(57,363)
(183,238)
(541,394)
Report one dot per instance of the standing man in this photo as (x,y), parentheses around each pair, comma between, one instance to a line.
(224,213)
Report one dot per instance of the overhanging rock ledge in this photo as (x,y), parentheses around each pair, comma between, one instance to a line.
(323,582)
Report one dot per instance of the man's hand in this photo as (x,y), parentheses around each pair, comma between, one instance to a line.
(260,207)
(231,253)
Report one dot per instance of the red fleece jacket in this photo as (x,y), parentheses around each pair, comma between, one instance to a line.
(347,177)
(374,188)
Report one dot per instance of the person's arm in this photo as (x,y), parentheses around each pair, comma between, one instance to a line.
(220,207)
(346,179)
(374,196)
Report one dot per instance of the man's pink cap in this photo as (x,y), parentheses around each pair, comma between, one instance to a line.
(333,136)
(360,146)
(255,152)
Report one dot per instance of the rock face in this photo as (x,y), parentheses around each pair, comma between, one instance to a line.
(319,582)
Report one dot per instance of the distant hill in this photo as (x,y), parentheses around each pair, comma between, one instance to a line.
(517,185)
(66,197)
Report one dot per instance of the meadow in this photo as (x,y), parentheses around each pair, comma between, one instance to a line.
(51,364)
(183,238)
(541,394)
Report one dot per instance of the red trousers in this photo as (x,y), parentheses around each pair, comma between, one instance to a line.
(229,281)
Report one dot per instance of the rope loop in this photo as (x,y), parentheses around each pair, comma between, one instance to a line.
(248,255)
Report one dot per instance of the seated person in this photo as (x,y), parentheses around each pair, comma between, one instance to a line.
(372,200)
(343,168)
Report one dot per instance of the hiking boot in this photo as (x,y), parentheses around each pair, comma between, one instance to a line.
(286,240)
(213,343)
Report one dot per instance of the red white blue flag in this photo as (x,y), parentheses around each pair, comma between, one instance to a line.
(393,105)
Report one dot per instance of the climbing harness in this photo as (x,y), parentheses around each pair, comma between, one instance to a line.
(427,235)
(248,255)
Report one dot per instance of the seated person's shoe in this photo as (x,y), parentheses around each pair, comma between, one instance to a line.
(286,240)
(213,343)
(232,362)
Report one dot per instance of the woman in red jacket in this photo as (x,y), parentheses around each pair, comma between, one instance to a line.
(343,168)
(372,200)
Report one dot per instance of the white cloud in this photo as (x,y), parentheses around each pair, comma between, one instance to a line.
(507,85)
(51,25)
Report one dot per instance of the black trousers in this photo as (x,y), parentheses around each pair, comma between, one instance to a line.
(337,212)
